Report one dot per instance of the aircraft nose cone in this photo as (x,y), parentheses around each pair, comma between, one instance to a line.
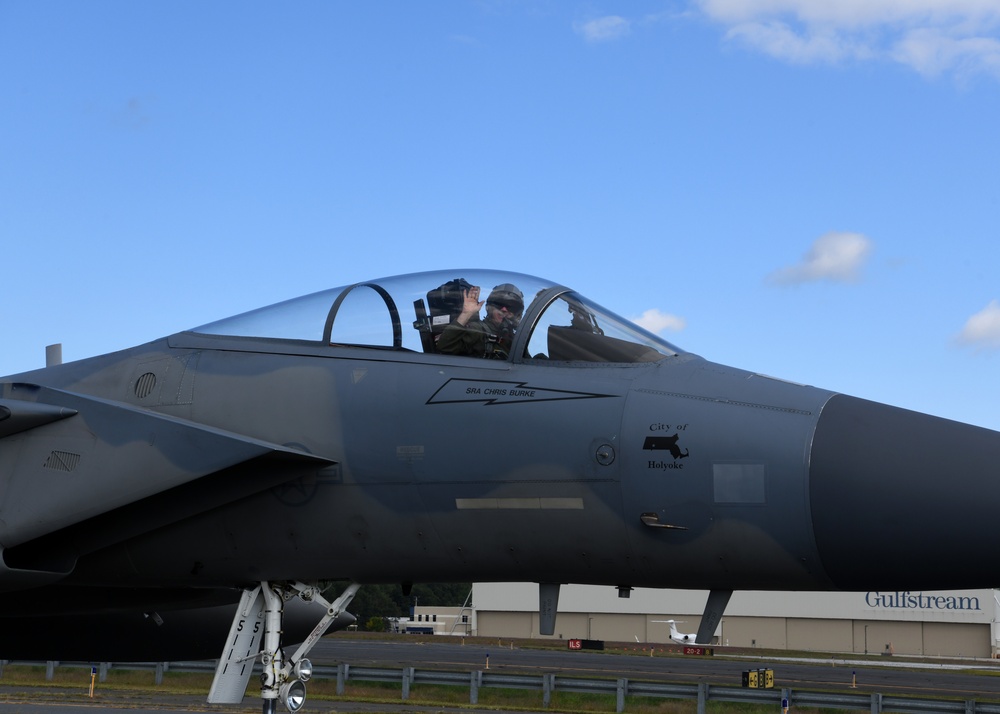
(895,492)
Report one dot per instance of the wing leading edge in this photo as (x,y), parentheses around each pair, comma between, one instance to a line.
(79,472)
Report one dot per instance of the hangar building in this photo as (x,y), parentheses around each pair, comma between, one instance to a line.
(953,623)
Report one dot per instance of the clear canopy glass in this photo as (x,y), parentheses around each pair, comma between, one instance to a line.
(409,312)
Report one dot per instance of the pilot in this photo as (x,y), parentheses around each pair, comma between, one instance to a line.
(491,337)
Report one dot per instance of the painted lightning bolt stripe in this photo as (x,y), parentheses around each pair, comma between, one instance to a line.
(496,392)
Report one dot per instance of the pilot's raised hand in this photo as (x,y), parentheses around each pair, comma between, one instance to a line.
(471,305)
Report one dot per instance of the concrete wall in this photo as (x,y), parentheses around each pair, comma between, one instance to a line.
(767,632)
(925,607)
(911,623)
(956,640)
(805,633)
(809,635)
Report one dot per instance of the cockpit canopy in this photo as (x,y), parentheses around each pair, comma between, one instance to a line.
(409,312)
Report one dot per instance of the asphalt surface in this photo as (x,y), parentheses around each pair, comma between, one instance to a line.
(888,675)
(955,678)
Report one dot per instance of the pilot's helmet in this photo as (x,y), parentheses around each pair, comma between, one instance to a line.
(508,296)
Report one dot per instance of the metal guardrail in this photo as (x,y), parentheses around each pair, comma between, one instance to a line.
(547,683)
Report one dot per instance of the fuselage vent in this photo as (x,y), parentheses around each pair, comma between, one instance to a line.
(62,461)
(144,385)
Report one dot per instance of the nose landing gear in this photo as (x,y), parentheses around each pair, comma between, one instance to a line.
(256,630)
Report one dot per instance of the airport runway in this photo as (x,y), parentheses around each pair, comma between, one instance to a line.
(953,678)
(891,676)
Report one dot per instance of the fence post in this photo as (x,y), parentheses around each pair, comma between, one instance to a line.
(159,673)
(473,688)
(2,663)
(407,676)
(548,684)
(102,672)
(702,697)
(50,670)
(970,706)
(622,692)
(876,703)
(341,678)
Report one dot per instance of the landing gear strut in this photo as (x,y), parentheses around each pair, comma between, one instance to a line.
(256,630)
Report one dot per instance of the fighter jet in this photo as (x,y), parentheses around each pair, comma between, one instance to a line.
(447,426)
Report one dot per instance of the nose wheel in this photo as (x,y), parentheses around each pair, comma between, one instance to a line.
(256,631)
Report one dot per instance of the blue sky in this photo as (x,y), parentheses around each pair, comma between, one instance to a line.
(810,190)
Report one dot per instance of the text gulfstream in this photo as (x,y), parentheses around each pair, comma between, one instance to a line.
(906,599)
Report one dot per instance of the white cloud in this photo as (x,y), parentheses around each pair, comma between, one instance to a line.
(853,13)
(603,29)
(781,41)
(982,330)
(932,37)
(834,256)
(933,52)
(656,321)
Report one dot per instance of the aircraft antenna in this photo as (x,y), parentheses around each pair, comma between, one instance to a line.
(53,354)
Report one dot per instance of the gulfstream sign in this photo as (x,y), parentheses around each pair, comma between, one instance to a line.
(919,601)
